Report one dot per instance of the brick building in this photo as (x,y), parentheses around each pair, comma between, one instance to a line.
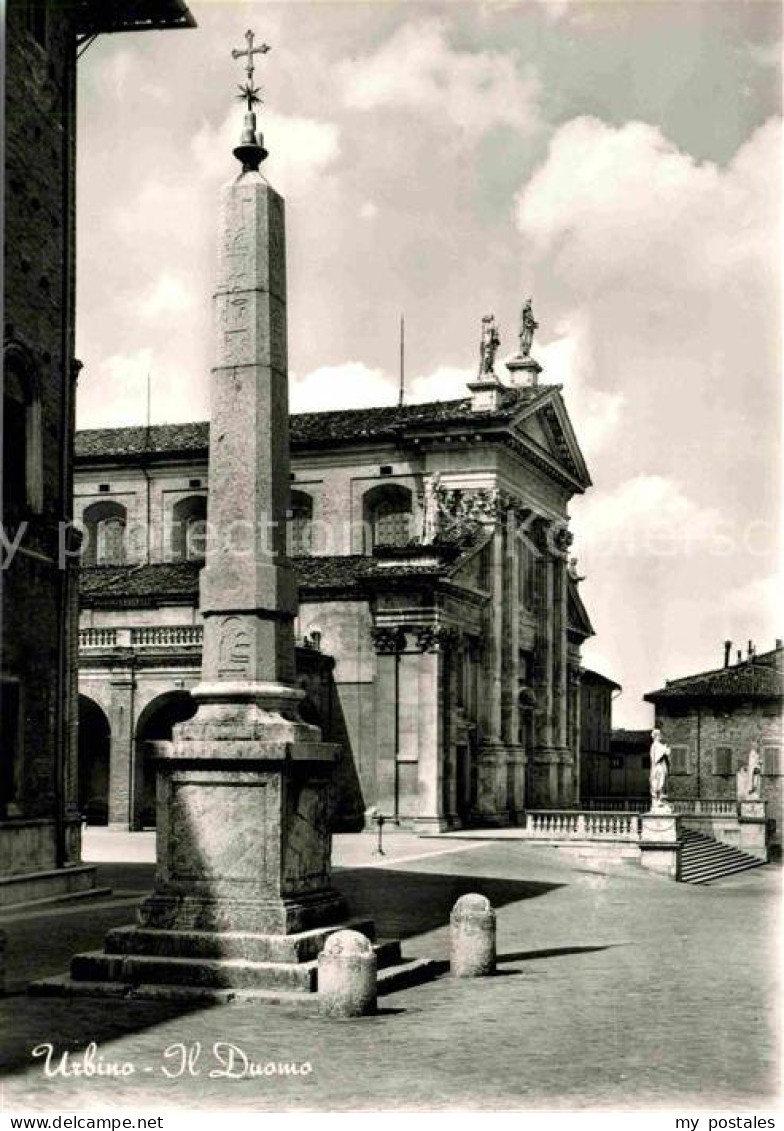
(710,721)
(430,542)
(630,765)
(596,696)
(39,819)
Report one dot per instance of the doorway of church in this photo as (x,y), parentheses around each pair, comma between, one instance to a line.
(155,724)
(93,754)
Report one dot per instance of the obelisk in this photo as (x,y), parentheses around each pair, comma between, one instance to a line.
(243,836)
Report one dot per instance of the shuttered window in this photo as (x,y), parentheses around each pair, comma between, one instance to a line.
(722,760)
(679,760)
(771,760)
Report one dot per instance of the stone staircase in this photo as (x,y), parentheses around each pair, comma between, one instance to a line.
(704,859)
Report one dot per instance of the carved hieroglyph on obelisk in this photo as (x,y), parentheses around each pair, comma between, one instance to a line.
(243,839)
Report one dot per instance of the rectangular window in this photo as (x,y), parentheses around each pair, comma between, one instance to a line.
(616,763)
(771,760)
(679,760)
(722,760)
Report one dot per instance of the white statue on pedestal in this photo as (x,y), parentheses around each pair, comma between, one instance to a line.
(660,771)
(750,777)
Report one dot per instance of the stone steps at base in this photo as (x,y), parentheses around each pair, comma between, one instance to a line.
(211,973)
(407,973)
(160,943)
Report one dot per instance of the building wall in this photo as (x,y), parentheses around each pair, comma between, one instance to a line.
(699,731)
(38,611)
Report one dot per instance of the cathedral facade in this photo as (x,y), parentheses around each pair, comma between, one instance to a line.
(440,622)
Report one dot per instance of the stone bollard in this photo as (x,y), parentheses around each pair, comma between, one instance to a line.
(473,937)
(3,942)
(347,975)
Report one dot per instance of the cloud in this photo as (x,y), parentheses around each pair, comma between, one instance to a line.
(446,383)
(569,360)
(368,210)
(755,607)
(300,149)
(116,390)
(417,69)
(167,296)
(618,206)
(350,385)
(648,517)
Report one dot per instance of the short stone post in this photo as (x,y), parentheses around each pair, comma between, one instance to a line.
(3,942)
(472,952)
(347,975)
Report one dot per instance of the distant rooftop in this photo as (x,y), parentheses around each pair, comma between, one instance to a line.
(161,583)
(308,429)
(756,677)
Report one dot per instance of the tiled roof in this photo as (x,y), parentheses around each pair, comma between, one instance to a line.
(759,678)
(179,581)
(151,582)
(307,428)
(597,677)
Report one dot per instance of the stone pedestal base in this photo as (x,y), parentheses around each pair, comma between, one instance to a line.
(659,847)
(753,829)
(242,902)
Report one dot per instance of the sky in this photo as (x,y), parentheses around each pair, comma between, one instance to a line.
(619,162)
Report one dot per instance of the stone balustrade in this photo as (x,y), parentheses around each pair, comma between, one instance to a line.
(168,636)
(152,636)
(568,825)
(92,638)
(705,807)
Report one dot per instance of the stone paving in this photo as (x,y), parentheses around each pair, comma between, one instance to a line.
(622,991)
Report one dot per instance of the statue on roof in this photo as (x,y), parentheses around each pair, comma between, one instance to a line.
(528,325)
(574,571)
(488,346)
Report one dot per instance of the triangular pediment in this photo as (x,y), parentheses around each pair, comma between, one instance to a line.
(545,427)
(534,428)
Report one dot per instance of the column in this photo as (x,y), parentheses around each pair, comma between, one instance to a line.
(121,756)
(431,641)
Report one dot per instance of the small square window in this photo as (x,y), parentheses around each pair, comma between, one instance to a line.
(616,763)
(104,487)
(194,482)
(385,469)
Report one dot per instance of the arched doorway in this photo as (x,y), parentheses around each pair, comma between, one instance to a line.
(155,725)
(94,750)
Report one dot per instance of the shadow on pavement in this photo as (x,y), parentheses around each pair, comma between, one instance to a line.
(553,952)
(69,1024)
(404,904)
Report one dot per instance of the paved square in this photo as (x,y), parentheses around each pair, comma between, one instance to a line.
(613,991)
